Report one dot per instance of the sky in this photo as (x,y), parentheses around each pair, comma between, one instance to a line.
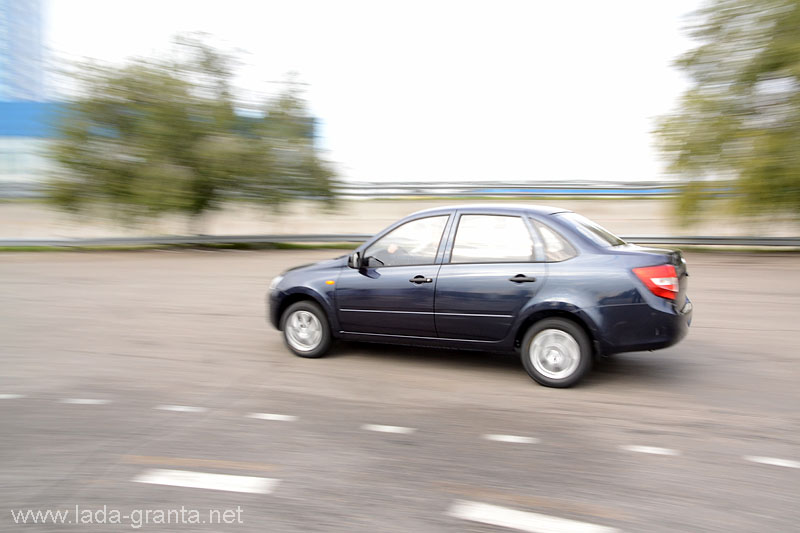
(437,90)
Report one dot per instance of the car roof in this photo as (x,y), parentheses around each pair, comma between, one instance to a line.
(515,209)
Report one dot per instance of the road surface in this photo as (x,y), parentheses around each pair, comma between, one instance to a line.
(147,388)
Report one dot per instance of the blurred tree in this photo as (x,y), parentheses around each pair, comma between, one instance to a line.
(740,120)
(158,136)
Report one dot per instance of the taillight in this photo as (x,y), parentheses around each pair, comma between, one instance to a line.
(662,280)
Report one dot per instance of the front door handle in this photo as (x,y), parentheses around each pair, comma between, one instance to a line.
(522,278)
(420,279)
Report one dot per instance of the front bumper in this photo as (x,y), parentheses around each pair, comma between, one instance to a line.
(273,306)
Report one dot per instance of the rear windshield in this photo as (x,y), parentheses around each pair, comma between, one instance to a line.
(592,230)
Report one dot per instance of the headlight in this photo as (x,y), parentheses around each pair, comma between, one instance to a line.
(274,283)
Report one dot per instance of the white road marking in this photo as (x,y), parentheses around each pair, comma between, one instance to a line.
(521,520)
(388,429)
(773,461)
(203,480)
(181,408)
(84,401)
(271,416)
(516,439)
(11,396)
(650,449)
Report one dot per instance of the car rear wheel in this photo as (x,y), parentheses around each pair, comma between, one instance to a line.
(556,352)
(306,330)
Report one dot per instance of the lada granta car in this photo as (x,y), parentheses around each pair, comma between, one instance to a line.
(544,282)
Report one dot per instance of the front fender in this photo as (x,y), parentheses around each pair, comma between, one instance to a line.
(317,286)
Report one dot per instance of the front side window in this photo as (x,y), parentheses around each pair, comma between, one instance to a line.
(492,239)
(413,243)
(556,247)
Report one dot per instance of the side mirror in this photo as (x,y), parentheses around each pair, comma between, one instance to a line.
(354,261)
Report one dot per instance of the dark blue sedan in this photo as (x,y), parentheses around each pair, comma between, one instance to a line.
(541,281)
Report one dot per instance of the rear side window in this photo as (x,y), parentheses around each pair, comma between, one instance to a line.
(593,231)
(556,247)
(492,239)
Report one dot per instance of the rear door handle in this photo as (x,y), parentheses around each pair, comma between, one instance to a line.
(522,278)
(420,279)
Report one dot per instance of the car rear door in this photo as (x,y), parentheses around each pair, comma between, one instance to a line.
(392,294)
(491,269)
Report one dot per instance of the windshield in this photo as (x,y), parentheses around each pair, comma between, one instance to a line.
(592,230)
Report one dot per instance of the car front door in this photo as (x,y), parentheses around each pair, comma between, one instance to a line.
(492,270)
(392,293)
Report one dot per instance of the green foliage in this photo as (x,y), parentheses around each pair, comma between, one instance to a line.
(159,136)
(737,132)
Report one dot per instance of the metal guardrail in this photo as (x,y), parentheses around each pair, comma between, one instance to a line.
(440,189)
(357,238)
(504,189)
(718,241)
(189,239)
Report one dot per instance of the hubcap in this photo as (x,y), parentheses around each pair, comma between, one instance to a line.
(554,353)
(303,331)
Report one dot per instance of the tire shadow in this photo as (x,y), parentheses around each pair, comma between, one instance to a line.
(419,355)
(650,369)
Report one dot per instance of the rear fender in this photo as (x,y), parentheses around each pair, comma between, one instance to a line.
(588,318)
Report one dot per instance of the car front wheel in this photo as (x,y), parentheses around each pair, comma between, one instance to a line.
(556,352)
(306,330)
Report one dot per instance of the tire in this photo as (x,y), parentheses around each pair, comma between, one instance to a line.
(306,331)
(556,352)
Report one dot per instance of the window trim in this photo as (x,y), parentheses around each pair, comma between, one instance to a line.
(538,247)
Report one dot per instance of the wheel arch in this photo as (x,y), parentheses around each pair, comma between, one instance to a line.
(309,296)
(573,315)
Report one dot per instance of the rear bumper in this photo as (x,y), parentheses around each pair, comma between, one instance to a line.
(641,327)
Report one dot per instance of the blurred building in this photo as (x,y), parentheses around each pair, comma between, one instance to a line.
(24,113)
(24,135)
(21,50)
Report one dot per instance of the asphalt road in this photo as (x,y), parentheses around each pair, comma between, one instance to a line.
(129,384)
